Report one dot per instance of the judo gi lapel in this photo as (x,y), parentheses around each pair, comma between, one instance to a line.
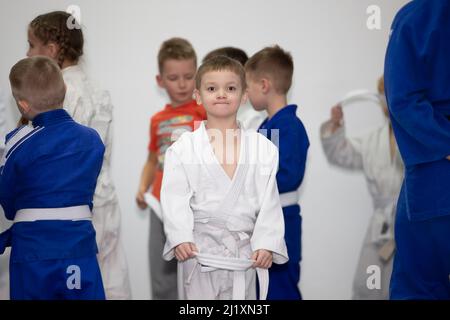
(15,141)
(230,187)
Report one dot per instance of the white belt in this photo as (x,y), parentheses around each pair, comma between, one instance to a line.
(239,267)
(289,198)
(69,213)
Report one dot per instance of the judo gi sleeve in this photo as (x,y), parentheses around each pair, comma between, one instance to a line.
(268,232)
(339,150)
(422,134)
(178,218)
(293,147)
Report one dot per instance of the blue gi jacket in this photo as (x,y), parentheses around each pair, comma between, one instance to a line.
(55,166)
(417,80)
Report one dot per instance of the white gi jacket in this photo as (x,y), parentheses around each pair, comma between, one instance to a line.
(224,217)
(92,107)
(250,118)
(370,154)
(2,123)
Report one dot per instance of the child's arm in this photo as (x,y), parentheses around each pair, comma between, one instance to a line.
(178,218)
(422,133)
(338,149)
(147,176)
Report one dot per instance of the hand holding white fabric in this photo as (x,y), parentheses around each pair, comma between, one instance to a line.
(263,259)
(185,251)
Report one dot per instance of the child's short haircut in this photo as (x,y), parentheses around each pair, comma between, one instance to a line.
(220,63)
(52,27)
(176,49)
(275,63)
(38,81)
(230,52)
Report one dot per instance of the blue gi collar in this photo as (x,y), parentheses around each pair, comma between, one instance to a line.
(289,110)
(51,117)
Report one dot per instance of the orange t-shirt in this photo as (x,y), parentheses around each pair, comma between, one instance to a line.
(165,127)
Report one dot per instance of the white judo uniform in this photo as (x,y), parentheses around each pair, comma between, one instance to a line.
(4,259)
(227,219)
(250,118)
(92,107)
(371,154)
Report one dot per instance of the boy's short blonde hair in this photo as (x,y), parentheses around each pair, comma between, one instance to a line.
(38,81)
(220,63)
(274,63)
(177,49)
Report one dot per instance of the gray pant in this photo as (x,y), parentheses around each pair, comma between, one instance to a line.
(369,256)
(163,274)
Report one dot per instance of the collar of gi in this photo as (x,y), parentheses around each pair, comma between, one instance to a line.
(50,117)
(289,109)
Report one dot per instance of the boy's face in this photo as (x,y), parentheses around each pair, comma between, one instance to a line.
(178,79)
(221,93)
(255,89)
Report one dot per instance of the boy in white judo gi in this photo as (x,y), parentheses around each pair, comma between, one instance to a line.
(221,208)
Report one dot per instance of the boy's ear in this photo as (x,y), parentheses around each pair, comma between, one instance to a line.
(244,98)
(265,85)
(159,81)
(197,97)
(24,106)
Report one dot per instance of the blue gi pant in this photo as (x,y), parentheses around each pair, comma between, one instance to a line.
(422,259)
(284,278)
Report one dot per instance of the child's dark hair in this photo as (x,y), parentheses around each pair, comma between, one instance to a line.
(52,27)
(230,52)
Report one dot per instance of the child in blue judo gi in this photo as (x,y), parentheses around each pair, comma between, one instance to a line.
(269,76)
(417,79)
(48,174)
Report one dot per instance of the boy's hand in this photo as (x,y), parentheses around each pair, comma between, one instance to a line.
(185,251)
(140,200)
(263,259)
(336,117)
(448,158)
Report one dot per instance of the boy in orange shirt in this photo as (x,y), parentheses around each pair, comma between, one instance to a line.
(177,67)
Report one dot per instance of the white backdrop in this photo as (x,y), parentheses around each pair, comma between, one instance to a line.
(334,53)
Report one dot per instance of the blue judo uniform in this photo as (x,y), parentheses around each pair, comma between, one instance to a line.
(55,165)
(417,80)
(287,131)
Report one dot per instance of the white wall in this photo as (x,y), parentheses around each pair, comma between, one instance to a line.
(334,52)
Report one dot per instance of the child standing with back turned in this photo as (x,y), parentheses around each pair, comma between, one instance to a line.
(269,77)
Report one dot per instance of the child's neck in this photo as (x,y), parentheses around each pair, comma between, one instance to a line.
(177,104)
(67,63)
(275,103)
(222,124)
